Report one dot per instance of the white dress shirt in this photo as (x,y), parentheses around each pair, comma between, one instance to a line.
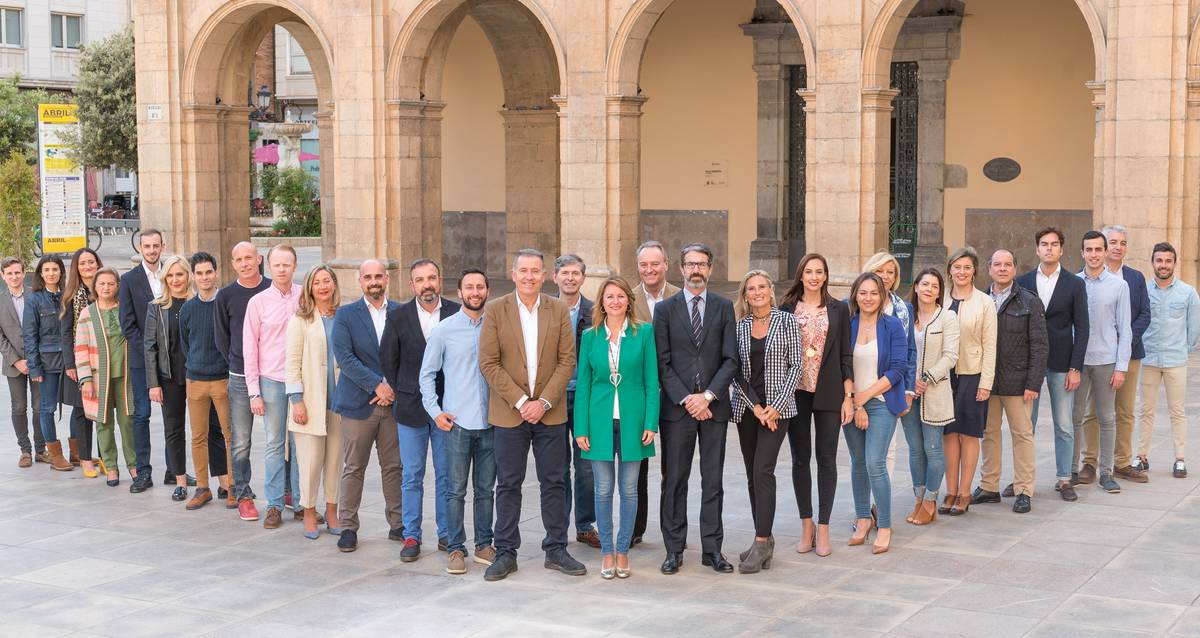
(1046,284)
(429,319)
(529,330)
(378,317)
(155,283)
(652,301)
(18,300)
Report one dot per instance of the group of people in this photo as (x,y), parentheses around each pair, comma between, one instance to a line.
(590,385)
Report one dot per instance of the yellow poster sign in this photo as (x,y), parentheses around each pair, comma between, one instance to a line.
(64,212)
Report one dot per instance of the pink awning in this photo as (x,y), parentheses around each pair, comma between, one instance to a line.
(306,156)
(268,154)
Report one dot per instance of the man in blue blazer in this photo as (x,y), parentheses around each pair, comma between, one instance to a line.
(1065,299)
(363,398)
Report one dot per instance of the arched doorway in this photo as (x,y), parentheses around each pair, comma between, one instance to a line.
(727,164)
(217,94)
(955,127)
(531,66)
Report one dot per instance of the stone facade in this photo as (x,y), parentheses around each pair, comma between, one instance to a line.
(572,110)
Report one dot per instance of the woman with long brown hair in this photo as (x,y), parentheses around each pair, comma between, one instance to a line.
(823,395)
(76,296)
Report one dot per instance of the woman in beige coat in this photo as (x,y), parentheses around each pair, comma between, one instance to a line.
(972,377)
(935,332)
(311,374)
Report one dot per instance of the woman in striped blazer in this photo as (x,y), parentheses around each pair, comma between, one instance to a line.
(771,356)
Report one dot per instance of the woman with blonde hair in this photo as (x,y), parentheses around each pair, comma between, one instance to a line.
(616,413)
(764,401)
(166,372)
(311,372)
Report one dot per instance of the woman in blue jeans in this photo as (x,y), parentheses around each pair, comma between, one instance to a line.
(616,413)
(41,330)
(935,332)
(881,363)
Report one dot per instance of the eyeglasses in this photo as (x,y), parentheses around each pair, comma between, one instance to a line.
(695,265)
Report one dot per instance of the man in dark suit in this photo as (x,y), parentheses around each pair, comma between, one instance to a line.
(697,359)
(569,273)
(1065,298)
(139,286)
(13,296)
(363,398)
(527,356)
(400,354)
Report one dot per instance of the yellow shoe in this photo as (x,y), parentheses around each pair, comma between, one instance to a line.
(90,472)
(103,470)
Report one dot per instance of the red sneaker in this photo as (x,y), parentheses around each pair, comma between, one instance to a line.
(247,511)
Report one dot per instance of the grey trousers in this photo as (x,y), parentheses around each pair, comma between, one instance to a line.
(1094,387)
(20,412)
(358,436)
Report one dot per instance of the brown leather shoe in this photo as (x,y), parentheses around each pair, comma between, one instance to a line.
(298,515)
(591,537)
(201,498)
(41,457)
(274,518)
(1087,475)
(1131,473)
(25,461)
(73,449)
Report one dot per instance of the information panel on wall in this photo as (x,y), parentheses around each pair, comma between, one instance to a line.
(64,205)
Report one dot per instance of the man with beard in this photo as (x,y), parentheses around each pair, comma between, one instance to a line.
(652,264)
(697,360)
(569,271)
(460,413)
(363,399)
(1172,335)
(400,354)
(527,355)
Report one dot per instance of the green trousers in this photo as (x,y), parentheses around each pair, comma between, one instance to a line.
(106,434)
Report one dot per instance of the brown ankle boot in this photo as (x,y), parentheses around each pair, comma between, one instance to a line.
(73,446)
(57,461)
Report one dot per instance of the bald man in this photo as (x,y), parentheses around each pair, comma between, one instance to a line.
(230,316)
(363,399)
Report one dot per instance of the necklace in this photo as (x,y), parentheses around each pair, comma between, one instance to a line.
(762,319)
(614,361)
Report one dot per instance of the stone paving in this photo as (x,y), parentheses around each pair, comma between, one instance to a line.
(80,558)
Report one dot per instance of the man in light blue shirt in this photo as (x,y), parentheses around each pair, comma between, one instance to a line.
(1110,344)
(453,348)
(1172,335)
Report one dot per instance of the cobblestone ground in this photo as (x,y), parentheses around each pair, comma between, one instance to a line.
(78,557)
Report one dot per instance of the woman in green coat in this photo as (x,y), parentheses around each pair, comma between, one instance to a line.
(616,412)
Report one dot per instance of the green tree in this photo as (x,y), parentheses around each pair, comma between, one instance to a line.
(295,192)
(18,118)
(20,207)
(107,103)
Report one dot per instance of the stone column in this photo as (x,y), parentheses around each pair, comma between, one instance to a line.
(1188,242)
(930,251)
(415,228)
(768,251)
(531,180)
(876,162)
(328,212)
(623,182)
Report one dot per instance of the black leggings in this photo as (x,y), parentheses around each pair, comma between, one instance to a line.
(760,450)
(800,438)
(174,410)
(82,430)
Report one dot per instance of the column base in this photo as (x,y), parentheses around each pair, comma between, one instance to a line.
(930,256)
(769,255)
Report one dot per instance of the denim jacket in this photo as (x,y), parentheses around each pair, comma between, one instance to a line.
(41,329)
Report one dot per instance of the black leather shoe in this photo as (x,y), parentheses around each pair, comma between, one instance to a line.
(717,561)
(180,494)
(1067,492)
(1008,491)
(139,485)
(981,495)
(348,541)
(396,534)
(222,493)
(1022,506)
(505,564)
(443,544)
(191,480)
(672,563)
(560,560)
(636,540)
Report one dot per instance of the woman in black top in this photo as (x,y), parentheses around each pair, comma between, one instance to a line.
(165,364)
(823,395)
(77,295)
(763,402)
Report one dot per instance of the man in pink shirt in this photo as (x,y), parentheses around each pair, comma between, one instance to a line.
(264,347)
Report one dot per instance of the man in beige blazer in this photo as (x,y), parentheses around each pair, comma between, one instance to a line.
(652,265)
(527,356)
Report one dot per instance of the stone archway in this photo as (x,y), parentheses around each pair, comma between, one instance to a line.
(770,248)
(215,90)
(876,112)
(1183,220)
(533,69)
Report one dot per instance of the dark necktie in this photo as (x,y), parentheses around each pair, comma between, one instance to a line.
(696,325)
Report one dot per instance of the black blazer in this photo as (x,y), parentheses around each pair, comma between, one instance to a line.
(400,354)
(1066,319)
(837,360)
(135,297)
(585,319)
(680,359)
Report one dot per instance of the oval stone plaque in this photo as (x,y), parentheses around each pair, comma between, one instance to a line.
(1002,169)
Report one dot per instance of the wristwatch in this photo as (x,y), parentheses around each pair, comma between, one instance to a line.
(708,394)
(926,377)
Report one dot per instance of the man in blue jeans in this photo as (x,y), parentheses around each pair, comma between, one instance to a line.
(229,319)
(461,413)
(1065,299)
(400,353)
